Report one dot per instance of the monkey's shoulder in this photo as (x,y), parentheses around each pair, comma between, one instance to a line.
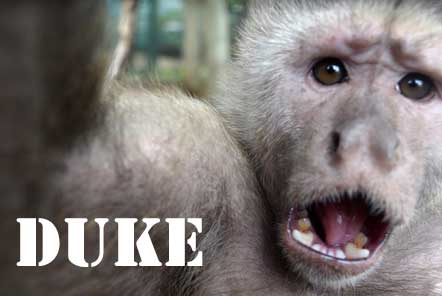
(167,124)
(156,146)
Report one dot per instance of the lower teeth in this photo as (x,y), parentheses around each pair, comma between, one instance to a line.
(340,254)
(352,250)
(304,238)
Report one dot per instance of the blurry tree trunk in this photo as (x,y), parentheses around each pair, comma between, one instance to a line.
(206,45)
(126,30)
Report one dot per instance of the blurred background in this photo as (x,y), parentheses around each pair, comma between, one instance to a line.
(182,42)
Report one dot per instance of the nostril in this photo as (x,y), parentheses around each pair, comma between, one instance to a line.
(335,142)
(387,153)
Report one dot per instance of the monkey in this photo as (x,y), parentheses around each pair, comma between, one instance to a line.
(315,157)
(316,167)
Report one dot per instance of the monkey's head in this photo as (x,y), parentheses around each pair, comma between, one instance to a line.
(339,105)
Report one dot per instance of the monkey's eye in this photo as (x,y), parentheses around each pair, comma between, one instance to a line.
(330,71)
(416,86)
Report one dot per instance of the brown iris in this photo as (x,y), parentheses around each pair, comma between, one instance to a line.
(416,86)
(330,71)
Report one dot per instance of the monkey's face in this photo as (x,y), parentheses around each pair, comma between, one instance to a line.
(343,118)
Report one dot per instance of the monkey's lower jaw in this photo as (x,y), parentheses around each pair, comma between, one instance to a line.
(344,236)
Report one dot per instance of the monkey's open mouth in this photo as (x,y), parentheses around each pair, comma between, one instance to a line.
(347,230)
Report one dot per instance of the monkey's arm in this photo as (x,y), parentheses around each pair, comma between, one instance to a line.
(151,156)
(69,152)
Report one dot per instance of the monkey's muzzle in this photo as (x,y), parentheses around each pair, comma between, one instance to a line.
(347,229)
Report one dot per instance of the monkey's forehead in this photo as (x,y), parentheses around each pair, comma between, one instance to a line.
(398,18)
(412,30)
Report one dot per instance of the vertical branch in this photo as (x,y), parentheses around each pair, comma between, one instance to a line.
(193,47)
(126,30)
(217,38)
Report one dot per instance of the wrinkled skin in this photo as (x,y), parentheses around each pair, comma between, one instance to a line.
(240,163)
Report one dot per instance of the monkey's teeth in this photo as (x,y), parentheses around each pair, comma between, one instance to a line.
(304,225)
(336,253)
(304,238)
(317,248)
(340,254)
(353,252)
(360,240)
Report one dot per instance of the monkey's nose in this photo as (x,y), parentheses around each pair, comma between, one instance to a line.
(362,143)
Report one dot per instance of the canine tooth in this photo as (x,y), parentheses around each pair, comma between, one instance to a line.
(304,224)
(361,240)
(340,254)
(304,238)
(353,252)
(317,248)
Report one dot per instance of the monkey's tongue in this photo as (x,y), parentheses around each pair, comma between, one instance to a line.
(341,221)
